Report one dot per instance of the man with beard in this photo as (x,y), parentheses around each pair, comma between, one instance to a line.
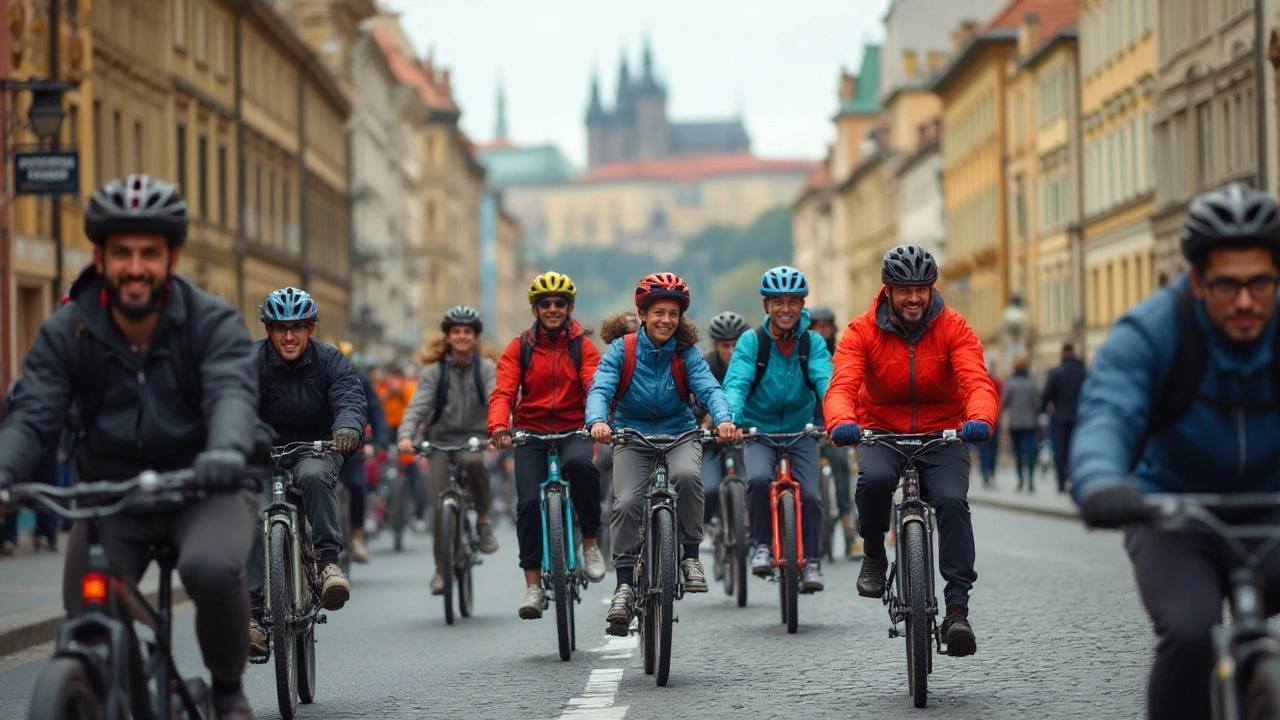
(911,364)
(164,376)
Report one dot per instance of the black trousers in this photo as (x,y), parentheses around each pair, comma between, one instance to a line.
(584,490)
(1182,583)
(1060,435)
(355,477)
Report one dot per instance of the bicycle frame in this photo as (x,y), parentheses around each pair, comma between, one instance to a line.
(284,512)
(557,484)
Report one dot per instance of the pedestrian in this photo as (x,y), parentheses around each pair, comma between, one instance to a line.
(1021,414)
(1060,398)
(989,451)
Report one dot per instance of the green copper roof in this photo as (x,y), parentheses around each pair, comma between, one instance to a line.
(864,101)
(537,165)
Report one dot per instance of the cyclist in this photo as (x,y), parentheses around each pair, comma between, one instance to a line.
(795,376)
(652,404)
(308,391)
(543,381)
(1220,439)
(355,472)
(823,322)
(911,364)
(164,376)
(452,396)
(395,389)
(725,329)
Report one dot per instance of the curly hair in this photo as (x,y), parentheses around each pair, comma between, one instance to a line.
(432,352)
(617,325)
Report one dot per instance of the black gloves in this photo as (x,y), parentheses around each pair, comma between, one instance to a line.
(220,470)
(1115,505)
(346,440)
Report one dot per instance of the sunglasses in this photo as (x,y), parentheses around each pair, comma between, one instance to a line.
(548,303)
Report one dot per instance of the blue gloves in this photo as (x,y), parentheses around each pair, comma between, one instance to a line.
(975,431)
(846,434)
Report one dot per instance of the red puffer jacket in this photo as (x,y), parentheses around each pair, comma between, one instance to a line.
(555,390)
(888,380)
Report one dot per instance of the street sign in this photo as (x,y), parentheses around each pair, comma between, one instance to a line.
(46,173)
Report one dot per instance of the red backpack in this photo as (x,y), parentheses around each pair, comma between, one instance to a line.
(679,372)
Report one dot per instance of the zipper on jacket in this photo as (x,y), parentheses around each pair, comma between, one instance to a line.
(555,354)
(915,413)
(1244,443)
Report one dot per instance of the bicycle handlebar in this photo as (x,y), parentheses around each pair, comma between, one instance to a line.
(919,442)
(116,494)
(298,449)
(473,444)
(660,443)
(1177,511)
(524,437)
(782,440)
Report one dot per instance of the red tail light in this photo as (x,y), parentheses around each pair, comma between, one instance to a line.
(93,589)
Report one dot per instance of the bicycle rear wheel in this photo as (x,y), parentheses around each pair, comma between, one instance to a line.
(307,666)
(648,623)
(463,561)
(663,603)
(918,650)
(790,586)
(559,572)
(734,508)
(399,510)
(283,641)
(64,692)
(1262,691)
(448,552)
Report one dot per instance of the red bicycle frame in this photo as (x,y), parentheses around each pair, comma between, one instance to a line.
(782,483)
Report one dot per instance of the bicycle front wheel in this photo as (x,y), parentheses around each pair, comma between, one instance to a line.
(448,554)
(734,508)
(307,666)
(64,692)
(1262,691)
(464,563)
(790,585)
(918,650)
(663,602)
(559,572)
(282,605)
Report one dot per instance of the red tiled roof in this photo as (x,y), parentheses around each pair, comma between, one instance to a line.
(498,144)
(819,179)
(409,71)
(1055,16)
(692,168)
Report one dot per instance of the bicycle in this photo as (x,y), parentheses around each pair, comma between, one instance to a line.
(100,668)
(292,606)
(732,544)
(563,577)
(399,493)
(1245,680)
(658,580)
(788,527)
(830,510)
(913,600)
(459,550)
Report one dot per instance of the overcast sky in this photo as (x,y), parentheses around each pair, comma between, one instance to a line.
(777,61)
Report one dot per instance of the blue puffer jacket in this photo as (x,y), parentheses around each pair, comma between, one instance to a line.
(782,402)
(1207,450)
(651,405)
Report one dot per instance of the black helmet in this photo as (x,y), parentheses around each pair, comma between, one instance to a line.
(908,265)
(137,204)
(1231,216)
(462,315)
(822,314)
(727,326)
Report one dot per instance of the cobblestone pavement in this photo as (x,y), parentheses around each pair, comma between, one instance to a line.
(1060,633)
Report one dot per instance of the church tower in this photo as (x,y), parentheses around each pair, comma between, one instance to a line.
(652,133)
(598,127)
(622,145)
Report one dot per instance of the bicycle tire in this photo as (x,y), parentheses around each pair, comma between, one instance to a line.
(735,507)
(573,622)
(648,634)
(664,600)
(307,666)
(448,548)
(282,606)
(918,650)
(827,541)
(399,510)
(64,691)
(1262,690)
(790,586)
(465,597)
(559,572)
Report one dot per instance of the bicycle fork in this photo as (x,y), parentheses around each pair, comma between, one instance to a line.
(555,485)
(785,484)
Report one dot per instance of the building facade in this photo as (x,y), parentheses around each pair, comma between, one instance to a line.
(870,196)
(811,239)
(918,178)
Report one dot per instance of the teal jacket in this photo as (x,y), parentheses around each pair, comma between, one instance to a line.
(782,403)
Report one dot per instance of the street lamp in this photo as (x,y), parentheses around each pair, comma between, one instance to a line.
(1015,320)
(46,113)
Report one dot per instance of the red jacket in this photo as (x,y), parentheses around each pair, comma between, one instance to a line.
(884,381)
(555,391)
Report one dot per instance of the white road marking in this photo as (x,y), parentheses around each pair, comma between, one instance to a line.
(596,701)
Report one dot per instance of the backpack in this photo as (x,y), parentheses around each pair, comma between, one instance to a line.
(679,372)
(764,346)
(442,385)
(1181,388)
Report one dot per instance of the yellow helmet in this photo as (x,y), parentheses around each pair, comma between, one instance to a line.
(552,283)
(346,348)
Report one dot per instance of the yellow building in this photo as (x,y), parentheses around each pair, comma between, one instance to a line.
(812,243)
(1118,84)
(511,279)
(870,197)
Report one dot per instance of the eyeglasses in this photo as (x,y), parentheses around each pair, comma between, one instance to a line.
(1226,288)
(281,331)
(557,303)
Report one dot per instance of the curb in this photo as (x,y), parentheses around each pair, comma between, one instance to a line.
(33,627)
(1059,513)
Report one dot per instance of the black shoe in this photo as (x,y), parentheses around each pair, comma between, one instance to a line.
(957,635)
(871,577)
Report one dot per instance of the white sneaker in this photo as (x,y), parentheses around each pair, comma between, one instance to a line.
(534,601)
(593,563)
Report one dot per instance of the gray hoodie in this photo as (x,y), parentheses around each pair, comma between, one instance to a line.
(465,414)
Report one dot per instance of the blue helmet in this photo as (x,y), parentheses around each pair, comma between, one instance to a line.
(784,280)
(288,305)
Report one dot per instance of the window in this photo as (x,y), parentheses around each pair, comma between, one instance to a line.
(291,237)
(180,24)
(1230,141)
(202,175)
(201,32)
(1135,160)
(1204,144)
(182,157)
(257,200)
(1134,28)
(99,163)
(220,47)
(117,139)
(1147,14)
(222,185)
(1146,144)
(1125,181)
(272,232)
(137,147)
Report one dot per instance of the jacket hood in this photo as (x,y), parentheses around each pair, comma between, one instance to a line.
(884,317)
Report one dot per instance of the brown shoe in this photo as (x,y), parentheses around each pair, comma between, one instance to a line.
(257,639)
(437,583)
(359,553)
(488,543)
(335,590)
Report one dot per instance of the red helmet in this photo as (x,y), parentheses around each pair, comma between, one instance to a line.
(662,286)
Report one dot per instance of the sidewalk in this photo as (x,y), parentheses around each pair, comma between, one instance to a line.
(1046,500)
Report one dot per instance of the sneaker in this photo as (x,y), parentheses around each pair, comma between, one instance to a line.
(257,640)
(619,617)
(871,577)
(437,583)
(593,563)
(8,549)
(695,576)
(488,543)
(762,561)
(957,634)
(232,706)
(359,553)
(335,591)
(811,576)
(534,601)
(852,549)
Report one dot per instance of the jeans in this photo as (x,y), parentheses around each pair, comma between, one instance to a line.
(584,490)
(944,481)
(1024,455)
(472,473)
(761,464)
(1060,435)
(712,472)
(212,539)
(355,476)
(631,469)
(318,478)
(988,453)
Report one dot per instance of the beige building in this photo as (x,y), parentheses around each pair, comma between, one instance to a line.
(512,278)
(812,242)
(870,197)
(1205,114)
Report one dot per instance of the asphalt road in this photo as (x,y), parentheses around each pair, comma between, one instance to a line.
(1060,635)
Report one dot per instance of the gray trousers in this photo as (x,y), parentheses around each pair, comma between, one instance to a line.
(471,474)
(211,539)
(631,469)
(318,478)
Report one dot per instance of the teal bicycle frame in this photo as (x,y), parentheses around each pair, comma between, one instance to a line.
(555,483)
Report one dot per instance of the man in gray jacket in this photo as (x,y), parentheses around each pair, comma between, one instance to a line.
(452,399)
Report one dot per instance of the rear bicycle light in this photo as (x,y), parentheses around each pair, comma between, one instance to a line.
(93,588)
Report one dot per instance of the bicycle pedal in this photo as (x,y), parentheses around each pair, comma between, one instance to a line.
(260,660)
(322,619)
